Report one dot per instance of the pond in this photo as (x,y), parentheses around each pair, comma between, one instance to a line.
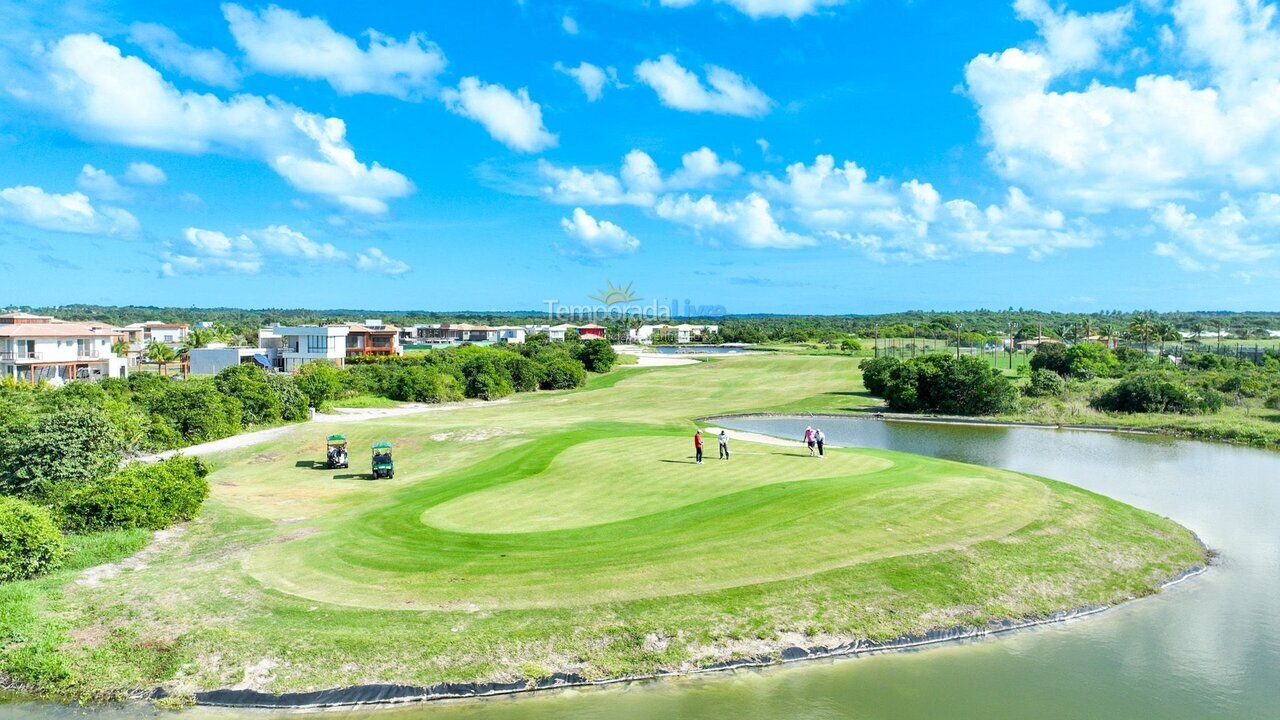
(1208,648)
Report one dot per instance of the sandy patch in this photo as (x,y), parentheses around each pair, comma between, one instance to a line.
(659,360)
(161,540)
(475,435)
(709,435)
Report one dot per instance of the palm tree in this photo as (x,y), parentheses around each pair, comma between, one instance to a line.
(162,355)
(1196,329)
(1086,329)
(1164,330)
(198,338)
(120,348)
(1217,326)
(1141,328)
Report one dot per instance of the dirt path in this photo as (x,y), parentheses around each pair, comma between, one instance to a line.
(339,415)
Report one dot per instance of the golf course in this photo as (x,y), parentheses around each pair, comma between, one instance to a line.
(571,532)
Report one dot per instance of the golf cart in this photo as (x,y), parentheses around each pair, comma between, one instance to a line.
(382,465)
(336,451)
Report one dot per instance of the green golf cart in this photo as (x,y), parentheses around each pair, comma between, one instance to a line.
(336,451)
(383,467)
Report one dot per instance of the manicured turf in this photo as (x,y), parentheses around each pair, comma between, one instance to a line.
(570,532)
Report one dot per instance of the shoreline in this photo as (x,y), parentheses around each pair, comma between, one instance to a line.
(942,420)
(388,694)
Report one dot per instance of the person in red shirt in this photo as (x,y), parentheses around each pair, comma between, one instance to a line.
(697,445)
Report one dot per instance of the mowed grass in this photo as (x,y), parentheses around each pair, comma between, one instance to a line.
(570,532)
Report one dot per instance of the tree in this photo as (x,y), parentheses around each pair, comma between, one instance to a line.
(162,355)
(191,411)
(120,348)
(1141,328)
(562,373)
(1052,357)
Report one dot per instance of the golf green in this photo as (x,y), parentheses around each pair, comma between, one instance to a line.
(571,532)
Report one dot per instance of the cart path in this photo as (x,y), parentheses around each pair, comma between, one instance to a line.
(339,415)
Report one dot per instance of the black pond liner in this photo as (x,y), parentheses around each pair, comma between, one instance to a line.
(383,694)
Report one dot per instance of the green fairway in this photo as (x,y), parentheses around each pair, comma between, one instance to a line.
(571,531)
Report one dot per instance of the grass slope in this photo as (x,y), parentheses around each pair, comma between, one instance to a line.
(568,531)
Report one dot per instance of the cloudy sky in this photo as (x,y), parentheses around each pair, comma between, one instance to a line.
(764,155)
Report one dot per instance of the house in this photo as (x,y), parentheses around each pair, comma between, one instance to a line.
(457,332)
(216,358)
(680,334)
(292,347)
(1035,342)
(556,333)
(511,334)
(373,337)
(145,333)
(592,332)
(39,347)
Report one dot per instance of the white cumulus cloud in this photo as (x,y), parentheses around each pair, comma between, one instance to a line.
(106,95)
(70,213)
(208,65)
(144,173)
(283,42)
(591,78)
(374,260)
(757,9)
(725,92)
(513,119)
(638,182)
(1242,233)
(750,221)
(1212,127)
(598,237)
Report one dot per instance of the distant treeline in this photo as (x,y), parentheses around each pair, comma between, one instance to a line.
(734,328)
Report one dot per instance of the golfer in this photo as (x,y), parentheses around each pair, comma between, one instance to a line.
(697,445)
(724,445)
(810,439)
(821,439)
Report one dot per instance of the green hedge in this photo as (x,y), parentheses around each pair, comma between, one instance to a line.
(30,543)
(142,495)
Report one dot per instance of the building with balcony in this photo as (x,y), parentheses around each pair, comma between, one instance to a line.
(292,347)
(38,347)
(373,337)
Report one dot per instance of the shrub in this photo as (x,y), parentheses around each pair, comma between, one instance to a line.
(486,379)
(596,356)
(1273,401)
(416,383)
(321,382)
(1154,392)
(1088,360)
(76,445)
(142,495)
(562,373)
(30,543)
(1045,383)
(950,385)
(294,405)
(525,374)
(850,346)
(875,373)
(192,411)
(1050,356)
(259,403)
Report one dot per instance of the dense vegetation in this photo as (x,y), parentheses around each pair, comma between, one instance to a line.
(940,383)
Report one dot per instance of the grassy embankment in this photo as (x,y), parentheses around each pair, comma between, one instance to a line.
(570,532)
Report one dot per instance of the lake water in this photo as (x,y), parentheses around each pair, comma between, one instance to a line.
(1208,648)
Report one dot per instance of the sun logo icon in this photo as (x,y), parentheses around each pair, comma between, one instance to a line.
(612,295)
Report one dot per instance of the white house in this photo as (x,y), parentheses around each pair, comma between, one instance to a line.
(681,334)
(511,334)
(37,347)
(293,347)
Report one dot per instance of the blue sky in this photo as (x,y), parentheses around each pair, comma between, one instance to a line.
(764,155)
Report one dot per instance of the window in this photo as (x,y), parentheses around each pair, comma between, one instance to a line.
(318,344)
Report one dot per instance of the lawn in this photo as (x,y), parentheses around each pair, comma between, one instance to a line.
(571,531)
